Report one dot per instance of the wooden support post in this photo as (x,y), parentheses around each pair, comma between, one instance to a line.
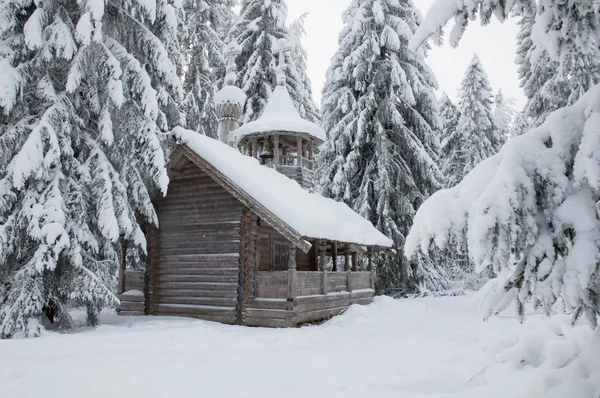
(124,244)
(348,267)
(299,150)
(354,262)
(334,256)
(292,274)
(370,267)
(276,149)
(322,266)
(311,154)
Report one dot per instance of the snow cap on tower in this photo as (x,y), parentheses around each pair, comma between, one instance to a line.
(280,115)
(229,101)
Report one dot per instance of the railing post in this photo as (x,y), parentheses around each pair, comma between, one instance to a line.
(276,149)
(334,256)
(348,267)
(299,150)
(292,275)
(322,267)
(370,267)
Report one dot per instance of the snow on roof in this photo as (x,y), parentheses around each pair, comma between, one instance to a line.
(280,114)
(309,215)
(230,94)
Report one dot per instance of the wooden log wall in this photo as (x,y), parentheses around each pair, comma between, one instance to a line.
(197,269)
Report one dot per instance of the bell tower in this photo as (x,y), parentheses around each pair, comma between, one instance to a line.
(280,138)
(229,101)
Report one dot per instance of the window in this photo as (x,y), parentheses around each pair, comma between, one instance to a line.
(281,256)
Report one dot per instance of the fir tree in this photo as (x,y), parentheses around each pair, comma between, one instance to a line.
(503,115)
(449,116)
(475,137)
(532,210)
(381,116)
(549,83)
(89,88)
(308,109)
(206,20)
(262,23)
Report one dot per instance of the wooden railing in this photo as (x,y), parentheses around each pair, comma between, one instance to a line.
(276,284)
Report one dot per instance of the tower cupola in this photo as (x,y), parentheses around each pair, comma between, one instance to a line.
(280,137)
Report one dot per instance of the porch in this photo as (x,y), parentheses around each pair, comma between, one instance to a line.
(290,298)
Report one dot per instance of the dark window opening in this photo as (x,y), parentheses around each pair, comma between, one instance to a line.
(281,256)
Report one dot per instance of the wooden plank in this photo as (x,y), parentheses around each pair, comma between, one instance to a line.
(162,278)
(322,305)
(173,266)
(190,270)
(319,315)
(273,304)
(268,313)
(202,258)
(206,301)
(195,309)
(132,306)
(197,293)
(323,299)
(268,322)
(196,285)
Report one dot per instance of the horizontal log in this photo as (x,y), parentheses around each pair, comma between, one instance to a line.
(166,266)
(272,304)
(160,279)
(210,301)
(209,258)
(197,271)
(196,285)
(315,316)
(207,226)
(272,314)
(323,298)
(322,305)
(132,306)
(173,251)
(308,290)
(268,323)
(195,293)
(195,309)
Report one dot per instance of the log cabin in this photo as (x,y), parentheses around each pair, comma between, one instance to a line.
(242,239)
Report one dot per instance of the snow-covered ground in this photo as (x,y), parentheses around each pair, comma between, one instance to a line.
(428,347)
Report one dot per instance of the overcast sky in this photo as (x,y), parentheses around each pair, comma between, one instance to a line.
(495,44)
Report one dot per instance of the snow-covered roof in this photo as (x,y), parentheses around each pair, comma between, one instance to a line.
(230,94)
(280,114)
(309,215)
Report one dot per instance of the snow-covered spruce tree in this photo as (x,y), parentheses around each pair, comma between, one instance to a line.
(205,22)
(503,114)
(262,23)
(308,109)
(380,114)
(475,137)
(520,125)
(531,211)
(87,88)
(449,115)
(550,83)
